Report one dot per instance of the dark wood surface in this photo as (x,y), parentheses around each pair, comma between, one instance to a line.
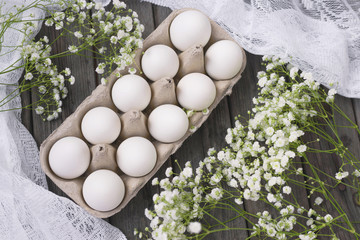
(211,134)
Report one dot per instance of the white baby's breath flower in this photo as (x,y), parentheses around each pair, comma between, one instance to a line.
(98,5)
(100,68)
(59,25)
(103,81)
(47,62)
(67,72)
(113,39)
(293,72)
(148,214)
(28,76)
(301,148)
(49,22)
(194,227)
(216,193)
(192,129)
(318,200)
(332,92)
(341,175)
(169,172)
(328,218)
(70,19)
(39,110)
(356,173)
(187,172)
(238,201)
(72,80)
(155,181)
(78,34)
(287,190)
(132,70)
(42,89)
(72,48)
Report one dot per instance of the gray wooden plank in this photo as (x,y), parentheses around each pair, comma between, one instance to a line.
(240,103)
(160,13)
(330,164)
(82,69)
(132,216)
(213,135)
(26,114)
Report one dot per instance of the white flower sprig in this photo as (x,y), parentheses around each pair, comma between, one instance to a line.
(90,26)
(257,165)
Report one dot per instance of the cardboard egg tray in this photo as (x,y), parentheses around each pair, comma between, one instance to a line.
(103,156)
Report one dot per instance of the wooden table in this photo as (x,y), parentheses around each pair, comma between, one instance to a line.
(211,134)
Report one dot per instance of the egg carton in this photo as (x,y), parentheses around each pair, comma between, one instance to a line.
(103,156)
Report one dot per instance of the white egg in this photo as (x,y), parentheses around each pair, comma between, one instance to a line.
(103,190)
(69,157)
(136,156)
(101,125)
(160,61)
(168,123)
(223,60)
(196,91)
(189,29)
(131,92)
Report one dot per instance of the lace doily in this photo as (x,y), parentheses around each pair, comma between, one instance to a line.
(322,37)
(27,209)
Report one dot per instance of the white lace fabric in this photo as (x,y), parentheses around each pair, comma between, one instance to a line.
(27,209)
(322,37)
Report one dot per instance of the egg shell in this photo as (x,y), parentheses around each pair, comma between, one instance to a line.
(190,28)
(131,92)
(103,190)
(196,91)
(168,123)
(160,61)
(101,125)
(136,156)
(69,157)
(223,60)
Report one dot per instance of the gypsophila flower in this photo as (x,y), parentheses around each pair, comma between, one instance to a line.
(67,71)
(356,173)
(103,81)
(194,227)
(287,190)
(100,68)
(28,76)
(318,200)
(332,92)
(78,34)
(328,218)
(168,172)
(132,70)
(113,39)
(59,25)
(301,148)
(155,181)
(341,175)
(72,80)
(39,110)
(72,48)
(42,89)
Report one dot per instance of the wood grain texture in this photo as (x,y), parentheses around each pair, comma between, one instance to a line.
(133,216)
(194,149)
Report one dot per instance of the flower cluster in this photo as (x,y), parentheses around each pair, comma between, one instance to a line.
(257,165)
(112,37)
